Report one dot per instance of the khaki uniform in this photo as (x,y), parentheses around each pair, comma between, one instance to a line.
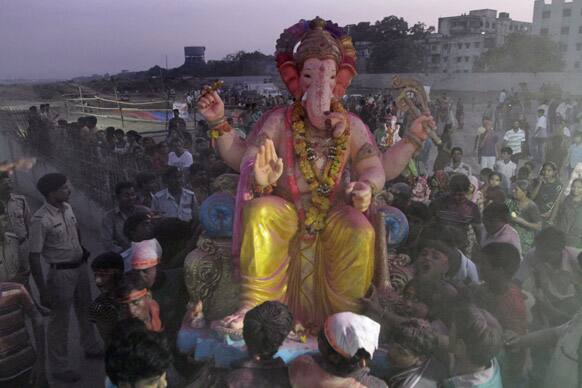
(54,234)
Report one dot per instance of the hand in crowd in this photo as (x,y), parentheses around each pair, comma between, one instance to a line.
(268,166)
(210,105)
(361,195)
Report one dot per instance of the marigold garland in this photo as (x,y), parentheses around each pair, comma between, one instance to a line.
(322,187)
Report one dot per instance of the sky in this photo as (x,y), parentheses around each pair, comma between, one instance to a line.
(42,39)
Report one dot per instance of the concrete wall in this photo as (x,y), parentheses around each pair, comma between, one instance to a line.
(571,83)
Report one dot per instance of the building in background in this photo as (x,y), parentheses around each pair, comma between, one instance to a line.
(562,22)
(194,55)
(461,40)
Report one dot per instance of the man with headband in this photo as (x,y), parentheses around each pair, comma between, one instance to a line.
(134,301)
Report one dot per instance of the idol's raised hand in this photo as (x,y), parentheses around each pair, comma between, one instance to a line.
(210,105)
(268,166)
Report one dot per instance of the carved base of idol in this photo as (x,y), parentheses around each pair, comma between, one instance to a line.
(210,281)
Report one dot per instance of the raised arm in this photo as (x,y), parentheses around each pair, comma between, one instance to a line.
(229,145)
(365,156)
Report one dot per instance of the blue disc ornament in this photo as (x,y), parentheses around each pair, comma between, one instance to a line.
(217,215)
(396,224)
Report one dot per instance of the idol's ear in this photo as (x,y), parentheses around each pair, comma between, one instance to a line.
(290,76)
(343,79)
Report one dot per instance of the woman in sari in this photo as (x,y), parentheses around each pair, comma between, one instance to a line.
(525,216)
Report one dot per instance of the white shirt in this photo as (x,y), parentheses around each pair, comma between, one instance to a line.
(541,130)
(502,97)
(183,161)
(507,170)
(165,204)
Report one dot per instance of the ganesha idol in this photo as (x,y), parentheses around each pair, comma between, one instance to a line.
(309,172)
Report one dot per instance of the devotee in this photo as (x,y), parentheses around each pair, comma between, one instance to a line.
(179,157)
(494,195)
(160,159)
(575,152)
(265,328)
(439,260)
(546,190)
(410,349)
(456,210)
(112,236)
(199,181)
(140,359)
(134,301)
(443,157)
(498,263)
(146,183)
(496,222)
(539,136)
(515,139)
(15,217)
(486,145)
(54,234)
(21,365)
(563,342)
(107,270)
(506,167)
(457,166)
(569,218)
(525,216)
(175,200)
(475,340)
(176,125)
(494,179)
(346,344)
(550,271)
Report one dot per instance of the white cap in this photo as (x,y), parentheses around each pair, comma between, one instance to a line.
(348,332)
(145,254)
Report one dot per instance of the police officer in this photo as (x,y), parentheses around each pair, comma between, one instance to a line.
(54,234)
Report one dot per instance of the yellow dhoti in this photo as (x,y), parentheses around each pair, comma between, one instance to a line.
(317,278)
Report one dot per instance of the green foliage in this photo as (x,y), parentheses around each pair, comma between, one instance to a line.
(522,53)
(396,46)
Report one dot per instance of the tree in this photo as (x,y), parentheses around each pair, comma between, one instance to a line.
(522,53)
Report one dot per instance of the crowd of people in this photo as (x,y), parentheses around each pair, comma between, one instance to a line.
(485,291)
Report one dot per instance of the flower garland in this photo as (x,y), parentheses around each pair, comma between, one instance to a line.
(322,187)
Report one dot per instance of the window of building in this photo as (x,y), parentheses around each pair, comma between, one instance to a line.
(460,46)
(563,47)
(459,59)
(578,46)
(467,59)
(580,30)
(565,30)
(544,31)
(477,44)
(445,59)
(465,71)
(487,25)
(467,45)
(567,12)
(492,25)
(546,14)
(577,65)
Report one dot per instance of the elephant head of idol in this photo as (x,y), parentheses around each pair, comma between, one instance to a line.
(321,68)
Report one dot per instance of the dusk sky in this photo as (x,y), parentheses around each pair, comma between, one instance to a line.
(67,38)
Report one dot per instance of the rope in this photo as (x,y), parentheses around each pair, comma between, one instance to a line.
(132,103)
(117,108)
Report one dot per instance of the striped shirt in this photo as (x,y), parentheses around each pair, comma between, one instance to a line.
(17,356)
(514,139)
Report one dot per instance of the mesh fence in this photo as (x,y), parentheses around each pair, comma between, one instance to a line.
(91,167)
